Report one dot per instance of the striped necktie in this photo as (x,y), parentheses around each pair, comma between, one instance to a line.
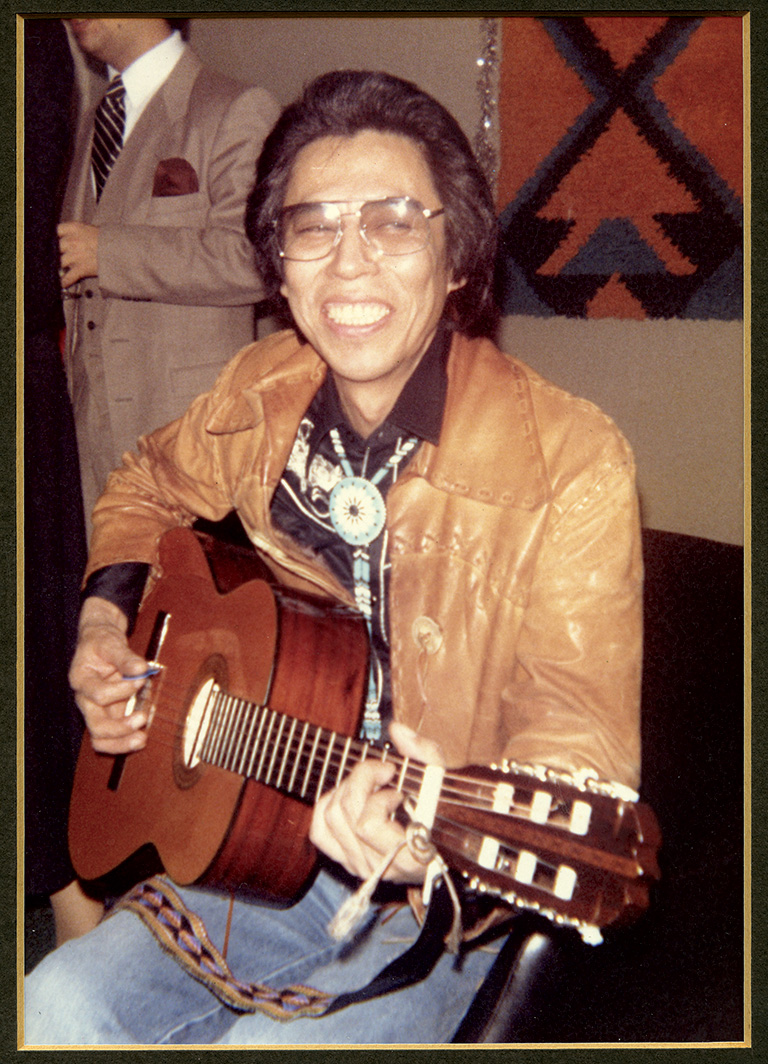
(108,127)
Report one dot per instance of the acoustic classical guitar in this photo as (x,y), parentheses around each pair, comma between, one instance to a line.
(252,715)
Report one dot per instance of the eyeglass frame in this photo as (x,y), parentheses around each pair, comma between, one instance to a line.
(427,212)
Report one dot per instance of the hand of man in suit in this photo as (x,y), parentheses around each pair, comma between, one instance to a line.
(78,251)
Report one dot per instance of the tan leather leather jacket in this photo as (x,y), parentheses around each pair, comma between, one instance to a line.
(516,570)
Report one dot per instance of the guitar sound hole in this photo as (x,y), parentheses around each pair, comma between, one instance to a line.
(194,739)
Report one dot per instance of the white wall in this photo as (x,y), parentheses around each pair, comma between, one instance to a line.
(282,54)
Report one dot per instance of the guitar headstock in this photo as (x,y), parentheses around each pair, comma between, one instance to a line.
(580,851)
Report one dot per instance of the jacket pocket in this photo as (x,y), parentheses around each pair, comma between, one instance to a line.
(189,209)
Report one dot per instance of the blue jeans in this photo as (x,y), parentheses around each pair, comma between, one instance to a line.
(116,986)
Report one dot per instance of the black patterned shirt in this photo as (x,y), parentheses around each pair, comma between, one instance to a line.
(300,506)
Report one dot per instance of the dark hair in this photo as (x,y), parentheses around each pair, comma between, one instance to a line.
(344,103)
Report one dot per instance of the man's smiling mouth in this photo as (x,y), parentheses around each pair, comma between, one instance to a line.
(356,313)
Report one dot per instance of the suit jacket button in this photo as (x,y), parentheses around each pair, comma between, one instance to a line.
(91,325)
(427,634)
(89,293)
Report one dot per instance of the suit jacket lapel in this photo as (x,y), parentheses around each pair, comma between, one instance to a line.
(167,106)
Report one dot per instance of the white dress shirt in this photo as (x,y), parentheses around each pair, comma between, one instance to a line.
(145,75)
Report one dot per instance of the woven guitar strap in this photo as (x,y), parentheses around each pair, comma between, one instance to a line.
(182,934)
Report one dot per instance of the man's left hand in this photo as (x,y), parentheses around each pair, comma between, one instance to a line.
(353,823)
(78,251)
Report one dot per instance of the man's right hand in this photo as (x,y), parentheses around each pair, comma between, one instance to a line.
(101,663)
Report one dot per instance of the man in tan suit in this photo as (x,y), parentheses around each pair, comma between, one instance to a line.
(158,274)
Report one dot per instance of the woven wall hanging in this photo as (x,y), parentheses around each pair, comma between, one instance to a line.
(620,182)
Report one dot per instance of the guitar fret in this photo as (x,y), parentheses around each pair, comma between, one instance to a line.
(244,734)
(319,788)
(275,748)
(236,735)
(298,756)
(221,749)
(316,765)
(253,716)
(215,732)
(342,763)
(310,760)
(273,715)
(257,740)
(221,728)
(287,750)
(239,726)
(401,777)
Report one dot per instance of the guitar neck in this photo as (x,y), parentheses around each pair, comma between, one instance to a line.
(535,839)
(298,758)
(303,760)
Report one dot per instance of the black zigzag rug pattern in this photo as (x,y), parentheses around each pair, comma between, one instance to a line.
(709,237)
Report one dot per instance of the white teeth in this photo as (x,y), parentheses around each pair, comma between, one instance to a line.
(356,313)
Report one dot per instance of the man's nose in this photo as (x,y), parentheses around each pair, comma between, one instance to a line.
(352,253)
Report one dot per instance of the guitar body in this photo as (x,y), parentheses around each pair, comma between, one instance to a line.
(208,824)
(253,714)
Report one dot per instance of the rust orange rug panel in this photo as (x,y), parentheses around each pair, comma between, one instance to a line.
(620,182)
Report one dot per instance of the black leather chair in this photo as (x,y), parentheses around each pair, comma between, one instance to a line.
(677,974)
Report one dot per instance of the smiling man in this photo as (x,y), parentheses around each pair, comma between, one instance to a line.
(383,453)
(372,315)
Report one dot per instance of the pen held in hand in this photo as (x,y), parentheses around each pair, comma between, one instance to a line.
(153,670)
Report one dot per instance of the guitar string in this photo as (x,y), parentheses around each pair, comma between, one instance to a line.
(478,791)
(451,833)
(460,787)
(162,723)
(475,794)
(235,717)
(457,835)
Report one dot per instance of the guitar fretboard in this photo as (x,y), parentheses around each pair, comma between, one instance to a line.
(292,756)
(303,760)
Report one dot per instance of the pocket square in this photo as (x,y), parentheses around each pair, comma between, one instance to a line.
(175,177)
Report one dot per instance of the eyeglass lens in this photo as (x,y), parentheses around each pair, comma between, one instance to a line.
(394,227)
